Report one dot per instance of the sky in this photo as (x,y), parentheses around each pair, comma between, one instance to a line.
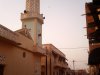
(63,26)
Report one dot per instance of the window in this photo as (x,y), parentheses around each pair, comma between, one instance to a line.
(24,54)
(98,12)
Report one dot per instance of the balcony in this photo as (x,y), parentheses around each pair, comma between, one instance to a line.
(65,65)
(60,64)
(31,16)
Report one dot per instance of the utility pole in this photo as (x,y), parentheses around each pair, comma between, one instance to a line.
(73,64)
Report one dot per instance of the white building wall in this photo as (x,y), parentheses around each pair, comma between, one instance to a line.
(35,29)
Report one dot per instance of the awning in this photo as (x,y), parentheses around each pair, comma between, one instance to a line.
(94,57)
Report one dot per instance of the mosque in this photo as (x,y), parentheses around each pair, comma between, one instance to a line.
(22,51)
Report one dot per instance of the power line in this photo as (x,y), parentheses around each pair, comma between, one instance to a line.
(78,61)
(75,48)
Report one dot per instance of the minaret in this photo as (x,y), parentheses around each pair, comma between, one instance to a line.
(33,20)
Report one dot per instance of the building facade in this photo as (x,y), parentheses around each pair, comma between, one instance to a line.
(93,35)
(18,56)
(54,63)
(80,72)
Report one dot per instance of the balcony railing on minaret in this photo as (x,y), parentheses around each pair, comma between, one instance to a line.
(32,10)
(27,15)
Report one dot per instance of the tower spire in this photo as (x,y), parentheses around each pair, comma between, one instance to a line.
(33,20)
(33,6)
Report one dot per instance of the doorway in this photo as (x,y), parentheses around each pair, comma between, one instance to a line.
(1,69)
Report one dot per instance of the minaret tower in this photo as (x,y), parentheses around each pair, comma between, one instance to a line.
(33,20)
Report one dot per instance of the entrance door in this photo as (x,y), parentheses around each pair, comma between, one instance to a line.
(1,69)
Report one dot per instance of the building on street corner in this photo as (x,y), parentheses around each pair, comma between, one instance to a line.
(55,62)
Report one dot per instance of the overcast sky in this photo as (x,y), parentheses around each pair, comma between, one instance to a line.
(63,25)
